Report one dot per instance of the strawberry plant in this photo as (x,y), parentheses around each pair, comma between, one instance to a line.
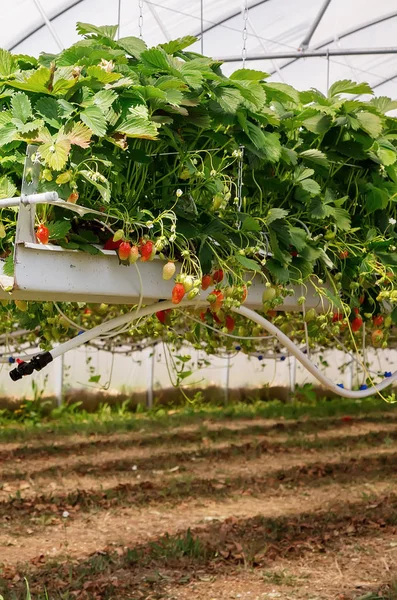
(234,177)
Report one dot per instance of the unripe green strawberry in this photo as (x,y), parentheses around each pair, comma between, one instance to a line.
(169,270)
(269,294)
(310,315)
(217,201)
(118,235)
(193,293)
(22,305)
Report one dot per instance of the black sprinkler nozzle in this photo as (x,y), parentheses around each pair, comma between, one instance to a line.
(37,363)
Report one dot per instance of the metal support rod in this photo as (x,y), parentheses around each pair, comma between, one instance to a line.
(292,373)
(350,381)
(314,54)
(227,379)
(150,383)
(305,43)
(202,26)
(58,374)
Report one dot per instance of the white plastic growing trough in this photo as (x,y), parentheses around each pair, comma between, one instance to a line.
(51,273)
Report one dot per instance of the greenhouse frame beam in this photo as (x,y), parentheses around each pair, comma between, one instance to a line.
(314,54)
(345,34)
(42,25)
(306,41)
(48,24)
(228,18)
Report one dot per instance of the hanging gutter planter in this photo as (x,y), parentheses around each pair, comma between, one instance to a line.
(46,272)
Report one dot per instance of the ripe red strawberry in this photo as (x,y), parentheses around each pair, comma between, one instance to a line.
(178,291)
(294,253)
(87,311)
(377,336)
(202,315)
(361,299)
(378,320)
(124,250)
(42,234)
(356,324)
(229,323)
(168,270)
(216,300)
(206,282)
(215,317)
(162,315)
(271,313)
(347,419)
(337,316)
(344,254)
(146,249)
(111,245)
(74,196)
(217,276)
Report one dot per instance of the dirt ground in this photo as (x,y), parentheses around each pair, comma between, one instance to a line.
(254,509)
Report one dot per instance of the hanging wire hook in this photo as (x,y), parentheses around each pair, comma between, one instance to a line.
(245,31)
(140,22)
(118,19)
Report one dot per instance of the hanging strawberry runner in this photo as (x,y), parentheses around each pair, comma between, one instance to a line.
(227,178)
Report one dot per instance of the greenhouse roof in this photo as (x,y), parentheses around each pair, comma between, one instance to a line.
(273,27)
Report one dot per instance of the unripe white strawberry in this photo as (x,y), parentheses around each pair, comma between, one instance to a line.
(134,255)
(188,283)
(169,270)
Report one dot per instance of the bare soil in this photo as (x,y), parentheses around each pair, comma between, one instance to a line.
(252,509)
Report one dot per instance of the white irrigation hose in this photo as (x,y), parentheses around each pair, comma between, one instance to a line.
(306,362)
(95,332)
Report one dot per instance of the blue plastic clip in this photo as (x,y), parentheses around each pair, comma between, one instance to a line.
(11,360)
(260,357)
(238,348)
(388,373)
(340,385)
(283,358)
(363,387)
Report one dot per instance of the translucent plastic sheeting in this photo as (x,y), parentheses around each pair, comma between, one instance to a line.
(31,26)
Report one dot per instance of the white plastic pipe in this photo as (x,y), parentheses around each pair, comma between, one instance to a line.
(95,332)
(303,359)
(44,198)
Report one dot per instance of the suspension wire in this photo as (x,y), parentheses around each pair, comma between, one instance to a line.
(327,69)
(202,26)
(240,177)
(118,19)
(245,32)
(364,351)
(140,22)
